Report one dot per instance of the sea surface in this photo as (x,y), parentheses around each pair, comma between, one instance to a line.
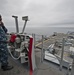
(43,30)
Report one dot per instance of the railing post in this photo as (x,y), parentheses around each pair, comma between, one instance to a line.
(42,52)
(61,61)
(34,40)
(68,71)
(72,71)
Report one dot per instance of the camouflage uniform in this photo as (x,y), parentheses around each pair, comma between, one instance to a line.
(3,45)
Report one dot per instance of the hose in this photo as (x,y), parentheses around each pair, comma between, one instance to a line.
(13,56)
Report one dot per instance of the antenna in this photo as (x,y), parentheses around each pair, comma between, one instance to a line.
(25,18)
(16,22)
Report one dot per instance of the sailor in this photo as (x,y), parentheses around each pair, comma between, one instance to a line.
(3,47)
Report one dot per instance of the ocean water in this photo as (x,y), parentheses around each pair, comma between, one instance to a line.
(43,30)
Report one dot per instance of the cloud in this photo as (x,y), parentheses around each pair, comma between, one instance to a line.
(40,12)
(65,6)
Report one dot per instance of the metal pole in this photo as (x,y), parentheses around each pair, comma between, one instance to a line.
(42,52)
(34,56)
(34,40)
(25,36)
(72,71)
(68,71)
(61,61)
(24,26)
(16,22)
(33,35)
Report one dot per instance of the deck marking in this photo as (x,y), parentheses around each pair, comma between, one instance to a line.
(41,42)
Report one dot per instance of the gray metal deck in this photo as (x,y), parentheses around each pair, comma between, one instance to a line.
(44,68)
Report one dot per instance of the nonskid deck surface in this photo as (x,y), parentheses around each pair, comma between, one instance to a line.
(42,68)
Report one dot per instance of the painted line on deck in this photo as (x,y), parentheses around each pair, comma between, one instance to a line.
(41,42)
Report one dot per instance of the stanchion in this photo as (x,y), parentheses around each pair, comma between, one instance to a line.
(61,61)
(72,71)
(42,52)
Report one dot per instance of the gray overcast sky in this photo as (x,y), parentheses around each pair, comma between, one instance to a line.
(40,12)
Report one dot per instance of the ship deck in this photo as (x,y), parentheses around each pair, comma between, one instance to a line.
(43,68)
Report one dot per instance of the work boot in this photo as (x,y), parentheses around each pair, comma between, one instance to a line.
(5,68)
